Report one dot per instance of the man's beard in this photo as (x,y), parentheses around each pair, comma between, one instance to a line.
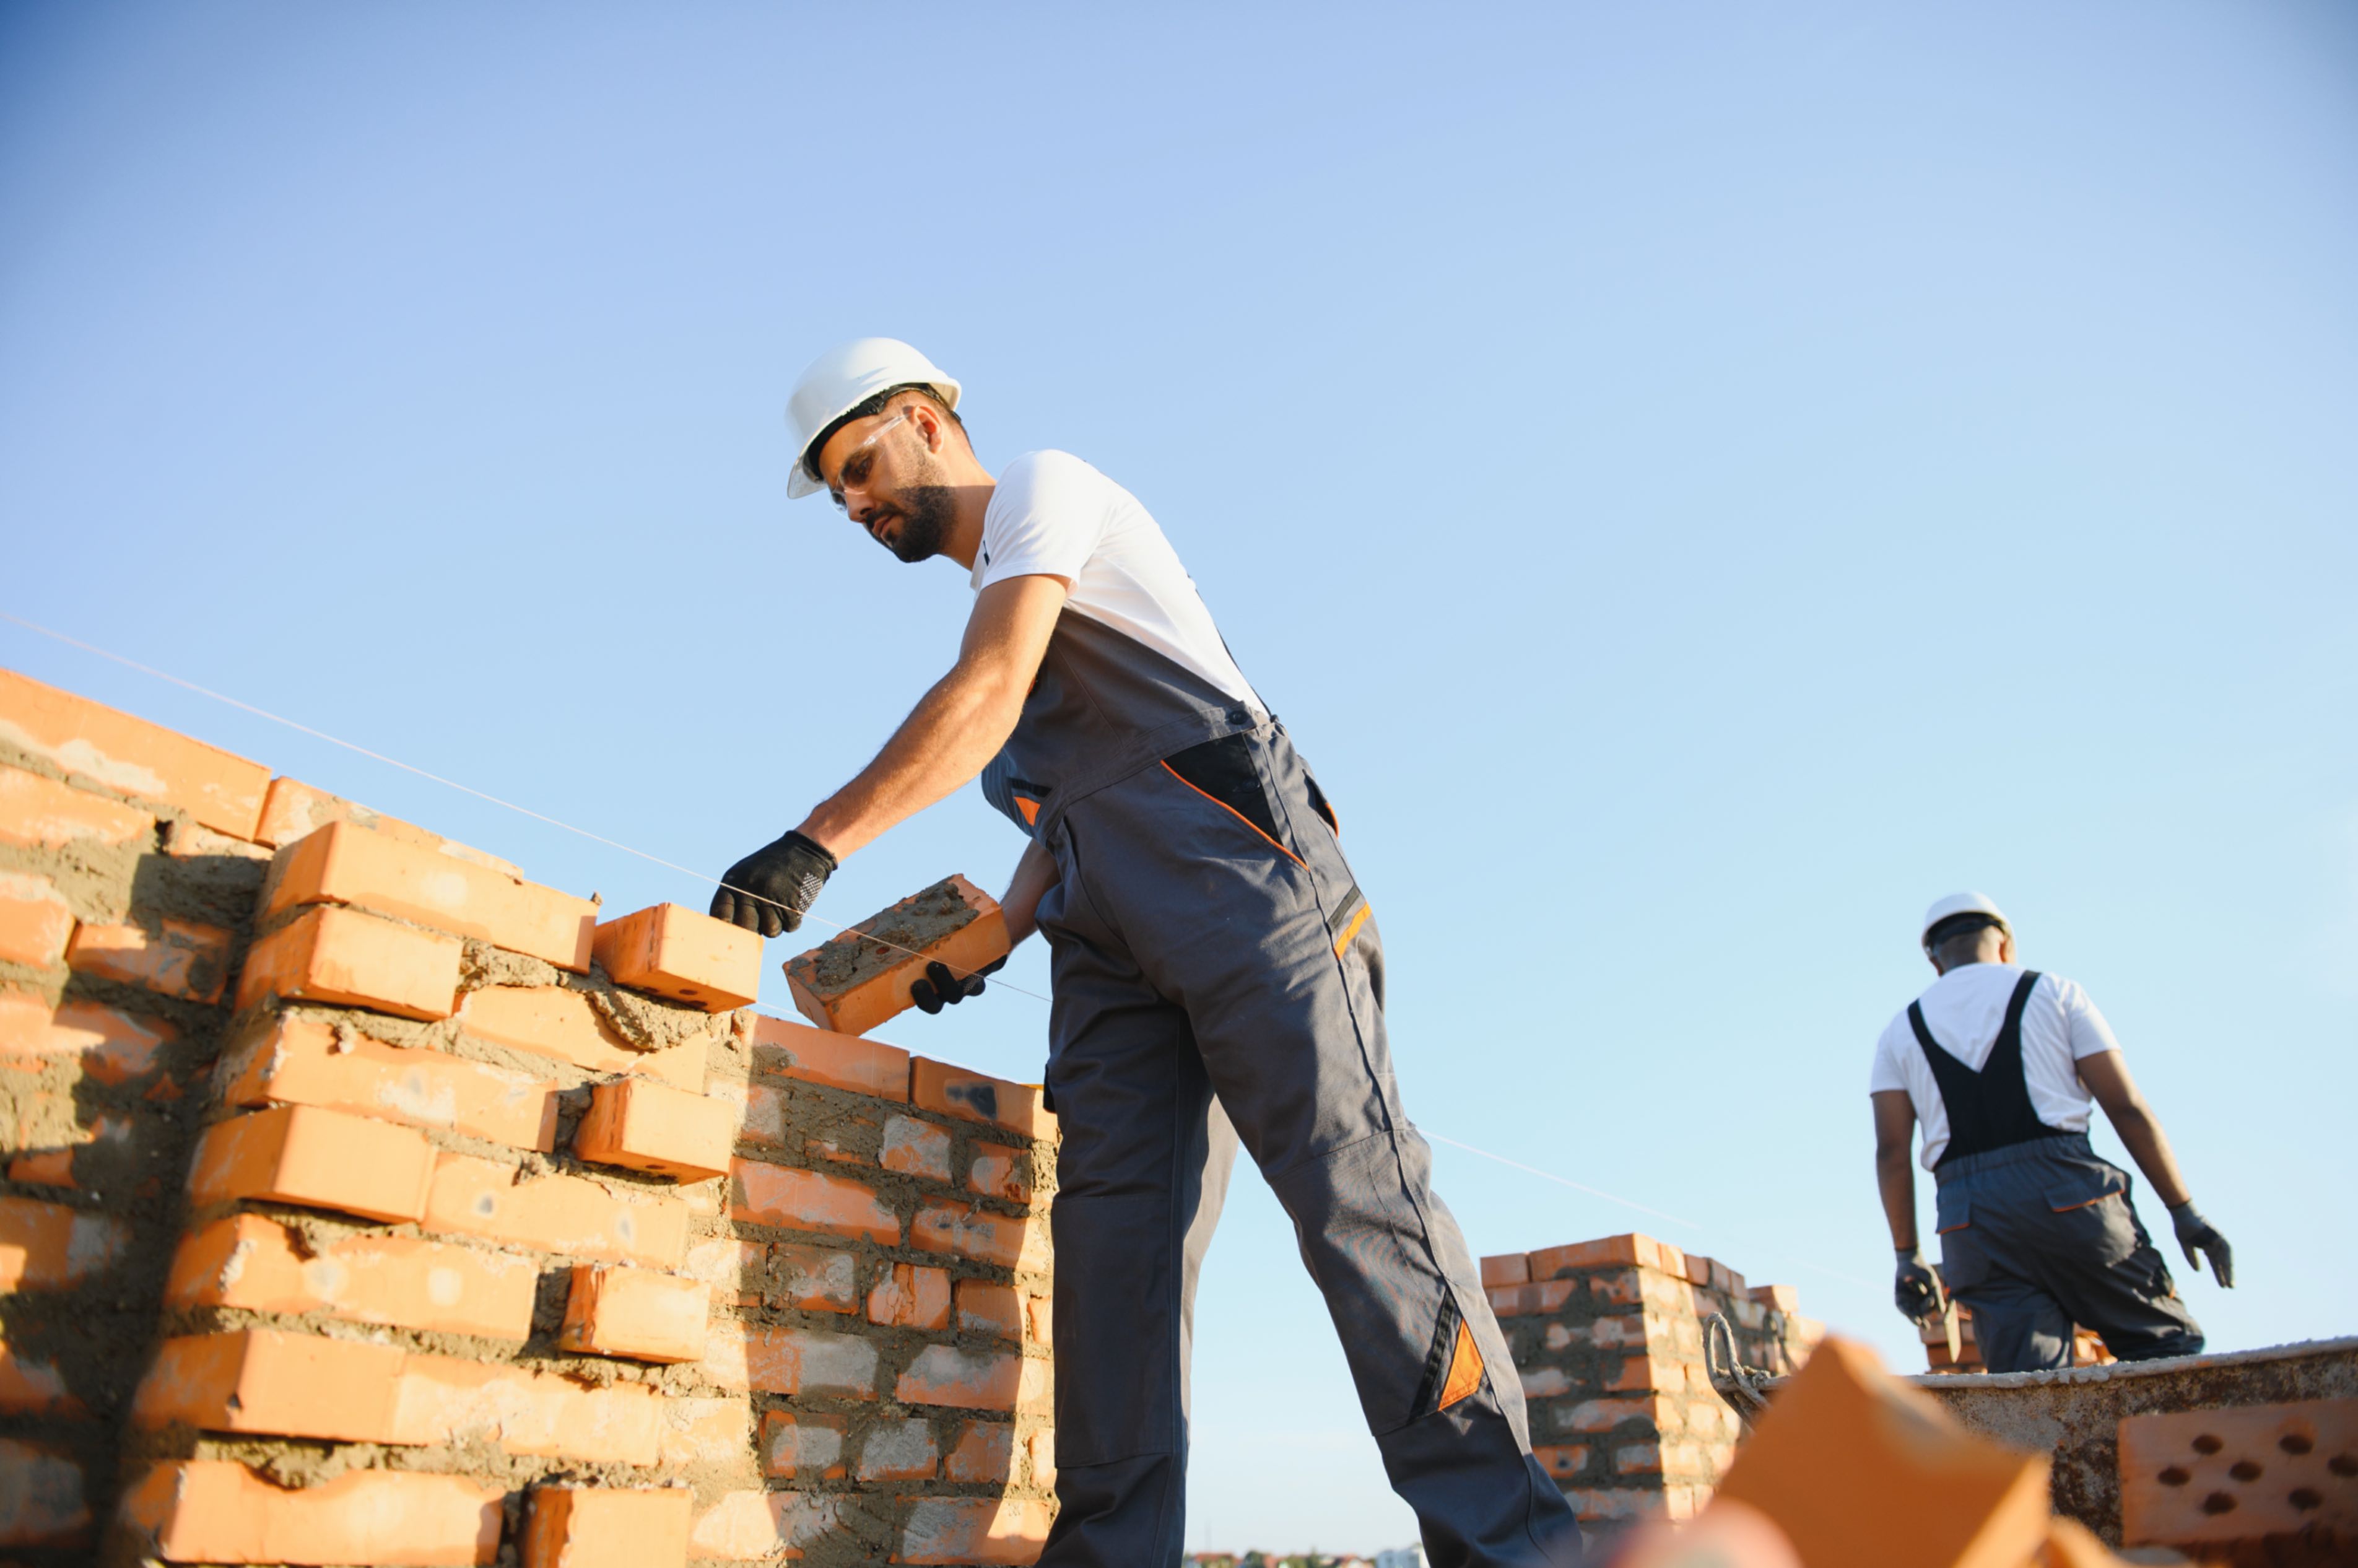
(927,513)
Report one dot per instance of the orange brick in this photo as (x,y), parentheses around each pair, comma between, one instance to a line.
(701,1431)
(643,1125)
(300,1061)
(911,1296)
(760,1525)
(678,953)
(1564,1461)
(813,1279)
(984,1454)
(635,1312)
(345,958)
(34,1388)
(278,1384)
(214,1510)
(1042,1448)
(986,1308)
(985,1531)
(1508,1269)
(1039,1318)
(838,1061)
(549,1021)
(43,1501)
(346,864)
(2206,1479)
(407,1281)
(606,1527)
(112,1045)
(986,1237)
(570,1215)
(132,756)
(733,1269)
(791,1199)
(778,1360)
(38,813)
(186,840)
(881,991)
(34,922)
(974,1097)
(445,1400)
(47,1168)
(1552,1262)
(899,1451)
(1782,1298)
(801,1447)
(49,1247)
(179,958)
(292,811)
(915,1148)
(999,1172)
(976,1380)
(320,1159)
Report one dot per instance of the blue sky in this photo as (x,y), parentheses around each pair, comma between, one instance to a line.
(1698,483)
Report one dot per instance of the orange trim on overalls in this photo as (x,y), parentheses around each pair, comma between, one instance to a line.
(1465,1369)
(1240,817)
(1344,941)
(1030,808)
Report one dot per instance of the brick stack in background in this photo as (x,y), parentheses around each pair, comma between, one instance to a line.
(1607,1337)
(2087,1347)
(434,1219)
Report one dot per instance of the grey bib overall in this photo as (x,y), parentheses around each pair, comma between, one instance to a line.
(1218,979)
(2037,1233)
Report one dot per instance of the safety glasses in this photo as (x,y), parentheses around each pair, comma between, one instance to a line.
(861,460)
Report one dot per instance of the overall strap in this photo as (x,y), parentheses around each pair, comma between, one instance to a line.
(1990,1109)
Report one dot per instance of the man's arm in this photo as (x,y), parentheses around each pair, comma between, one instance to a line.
(1035,873)
(2107,1077)
(1894,1171)
(958,726)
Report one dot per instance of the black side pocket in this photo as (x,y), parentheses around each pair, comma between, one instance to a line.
(1223,770)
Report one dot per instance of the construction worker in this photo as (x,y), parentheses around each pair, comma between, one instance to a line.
(1216,976)
(2037,1233)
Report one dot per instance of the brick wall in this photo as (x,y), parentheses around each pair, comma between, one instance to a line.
(368,1203)
(1607,1335)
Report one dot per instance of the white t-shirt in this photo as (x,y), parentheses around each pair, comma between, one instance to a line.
(1965,1009)
(1054,514)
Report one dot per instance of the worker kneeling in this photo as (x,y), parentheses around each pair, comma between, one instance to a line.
(2037,1233)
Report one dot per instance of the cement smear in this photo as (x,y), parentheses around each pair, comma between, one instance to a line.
(878,943)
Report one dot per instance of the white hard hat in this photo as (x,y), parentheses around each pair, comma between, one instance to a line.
(842,379)
(1962,904)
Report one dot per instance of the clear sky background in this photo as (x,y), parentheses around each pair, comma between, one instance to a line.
(1698,482)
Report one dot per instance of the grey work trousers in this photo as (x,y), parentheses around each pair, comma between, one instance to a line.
(2040,1236)
(1214,984)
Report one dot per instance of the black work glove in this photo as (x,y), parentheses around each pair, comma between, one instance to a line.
(1914,1290)
(769,889)
(2197,1235)
(942,986)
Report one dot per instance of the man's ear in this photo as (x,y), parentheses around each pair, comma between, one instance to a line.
(2006,947)
(928,422)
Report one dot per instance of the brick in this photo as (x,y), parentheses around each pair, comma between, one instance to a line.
(1043,1450)
(791,1199)
(1563,1461)
(801,1447)
(734,1269)
(643,1125)
(1847,1460)
(132,756)
(984,1454)
(679,954)
(38,813)
(35,922)
(2207,1480)
(704,1432)
(812,1279)
(1604,1415)
(186,840)
(944,1375)
(635,1312)
(1508,1269)
(318,1159)
(1039,1314)
(1524,1301)
(569,1215)
(1552,1262)
(214,1510)
(31,1388)
(780,1360)
(1781,1298)
(300,1061)
(276,1384)
(838,1061)
(43,1496)
(404,1282)
(49,1247)
(549,1021)
(113,1045)
(179,958)
(899,1451)
(344,958)
(985,1531)
(606,1527)
(986,1308)
(445,1400)
(911,1295)
(759,1526)
(292,810)
(855,981)
(976,1097)
(998,1172)
(346,864)
(915,1148)
(987,1237)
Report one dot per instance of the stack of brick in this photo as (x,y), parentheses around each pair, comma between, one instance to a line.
(1607,1337)
(502,1233)
(2087,1347)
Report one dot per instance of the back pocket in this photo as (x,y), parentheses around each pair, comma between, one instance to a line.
(1222,772)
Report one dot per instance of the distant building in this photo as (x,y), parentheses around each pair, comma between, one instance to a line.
(1402,1557)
